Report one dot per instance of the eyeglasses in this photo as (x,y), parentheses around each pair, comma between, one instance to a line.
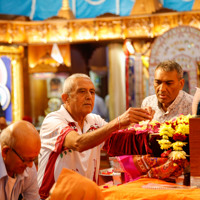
(22,159)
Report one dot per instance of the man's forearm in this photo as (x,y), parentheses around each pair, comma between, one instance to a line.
(91,139)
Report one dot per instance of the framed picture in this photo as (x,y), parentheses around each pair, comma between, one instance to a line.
(54,86)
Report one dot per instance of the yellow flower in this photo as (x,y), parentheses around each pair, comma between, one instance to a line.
(153,122)
(141,127)
(177,146)
(181,125)
(165,137)
(166,130)
(184,119)
(182,129)
(163,141)
(164,144)
(176,155)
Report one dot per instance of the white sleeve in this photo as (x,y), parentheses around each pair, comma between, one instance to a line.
(51,131)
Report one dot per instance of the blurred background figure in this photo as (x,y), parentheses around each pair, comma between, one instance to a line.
(3,123)
(195,102)
(107,98)
(55,87)
(28,118)
(100,107)
(54,104)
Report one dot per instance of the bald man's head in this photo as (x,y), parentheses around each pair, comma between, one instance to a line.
(19,132)
(20,144)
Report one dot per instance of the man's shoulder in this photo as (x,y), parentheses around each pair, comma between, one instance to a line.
(189,96)
(149,99)
(53,119)
(95,119)
(56,115)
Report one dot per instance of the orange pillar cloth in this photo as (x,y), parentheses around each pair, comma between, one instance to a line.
(134,190)
(73,186)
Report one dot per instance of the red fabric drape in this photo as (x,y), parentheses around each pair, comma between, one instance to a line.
(127,142)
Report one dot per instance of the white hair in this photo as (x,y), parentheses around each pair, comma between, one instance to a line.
(69,82)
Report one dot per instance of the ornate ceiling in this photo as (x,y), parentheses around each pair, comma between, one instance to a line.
(96,29)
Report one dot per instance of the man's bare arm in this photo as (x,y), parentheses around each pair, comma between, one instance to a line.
(86,141)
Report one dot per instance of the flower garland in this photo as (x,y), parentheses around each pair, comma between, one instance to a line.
(146,127)
(174,133)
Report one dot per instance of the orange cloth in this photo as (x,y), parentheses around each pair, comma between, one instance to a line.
(134,190)
(73,186)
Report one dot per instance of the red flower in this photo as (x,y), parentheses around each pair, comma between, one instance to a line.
(166,153)
(179,137)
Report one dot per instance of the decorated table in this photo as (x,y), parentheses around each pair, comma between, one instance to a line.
(151,149)
(152,156)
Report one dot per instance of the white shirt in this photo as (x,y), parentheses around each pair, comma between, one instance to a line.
(25,184)
(9,186)
(181,105)
(53,158)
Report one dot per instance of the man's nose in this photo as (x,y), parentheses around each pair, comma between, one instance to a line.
(162,87)
(88,95)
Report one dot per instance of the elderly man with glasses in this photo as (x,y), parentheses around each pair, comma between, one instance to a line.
(19,145)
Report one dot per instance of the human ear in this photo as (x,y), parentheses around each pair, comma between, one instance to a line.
(64,97)
(5,150)
(182,82)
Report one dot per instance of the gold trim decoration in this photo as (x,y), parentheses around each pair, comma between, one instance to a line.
(15,54)
(145,6)
(65,10)
(102,28)
(138,27)
(196,5)
(17,92)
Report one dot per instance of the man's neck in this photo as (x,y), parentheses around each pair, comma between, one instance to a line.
(79,119)
(80,122)
(164,107)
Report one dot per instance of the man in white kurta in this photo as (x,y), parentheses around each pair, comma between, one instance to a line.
(72,137)
(54,129)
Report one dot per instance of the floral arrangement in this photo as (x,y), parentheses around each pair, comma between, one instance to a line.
(138,139)
(174,135)
(146,127)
